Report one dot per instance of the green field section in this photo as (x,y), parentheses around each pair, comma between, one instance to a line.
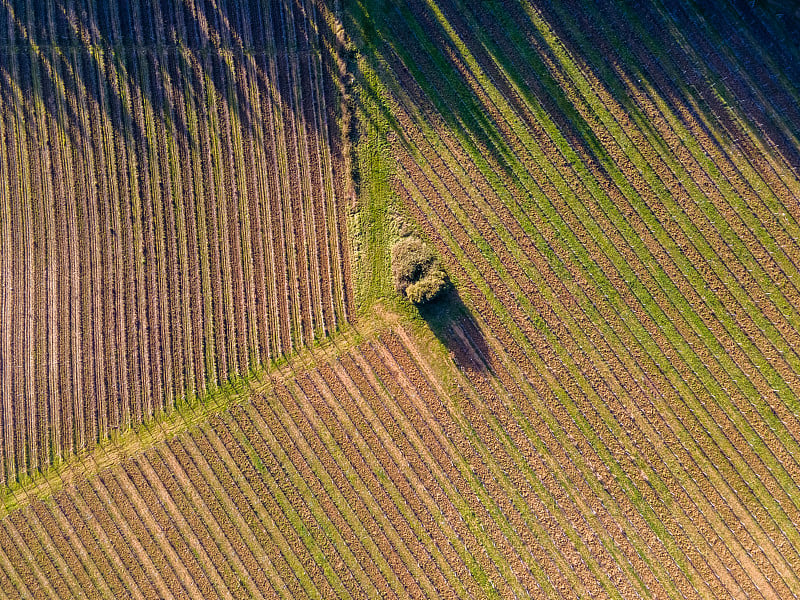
(615,190)
(171,209)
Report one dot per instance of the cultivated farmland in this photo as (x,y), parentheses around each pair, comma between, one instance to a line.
(170,208)
(358,477)
(606,403)
(627,235)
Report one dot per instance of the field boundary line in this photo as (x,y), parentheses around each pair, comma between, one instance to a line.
(190,414)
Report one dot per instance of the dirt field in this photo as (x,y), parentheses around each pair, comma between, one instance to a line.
(627,239)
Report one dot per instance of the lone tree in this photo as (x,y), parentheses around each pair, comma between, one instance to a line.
(417,272)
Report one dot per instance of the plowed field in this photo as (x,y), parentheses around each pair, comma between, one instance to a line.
(617,199)
(171,216)
(364,476)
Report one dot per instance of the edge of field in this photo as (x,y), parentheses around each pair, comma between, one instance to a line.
(190,413)
(384,315)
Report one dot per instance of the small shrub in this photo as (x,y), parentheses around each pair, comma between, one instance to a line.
(416,271)
(411,258)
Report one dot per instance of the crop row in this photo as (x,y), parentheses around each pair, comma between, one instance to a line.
(765,302)
(172,218)
(245,23)
(428,194)
(746,77)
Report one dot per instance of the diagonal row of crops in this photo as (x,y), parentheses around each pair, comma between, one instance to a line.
(630,245)
(389,471)
(170,210)
(367,476)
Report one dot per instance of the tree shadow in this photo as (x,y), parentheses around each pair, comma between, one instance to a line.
(118,51)
(424,51)
(452,323)
(706,60)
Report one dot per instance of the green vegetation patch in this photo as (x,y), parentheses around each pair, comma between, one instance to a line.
(417,272)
